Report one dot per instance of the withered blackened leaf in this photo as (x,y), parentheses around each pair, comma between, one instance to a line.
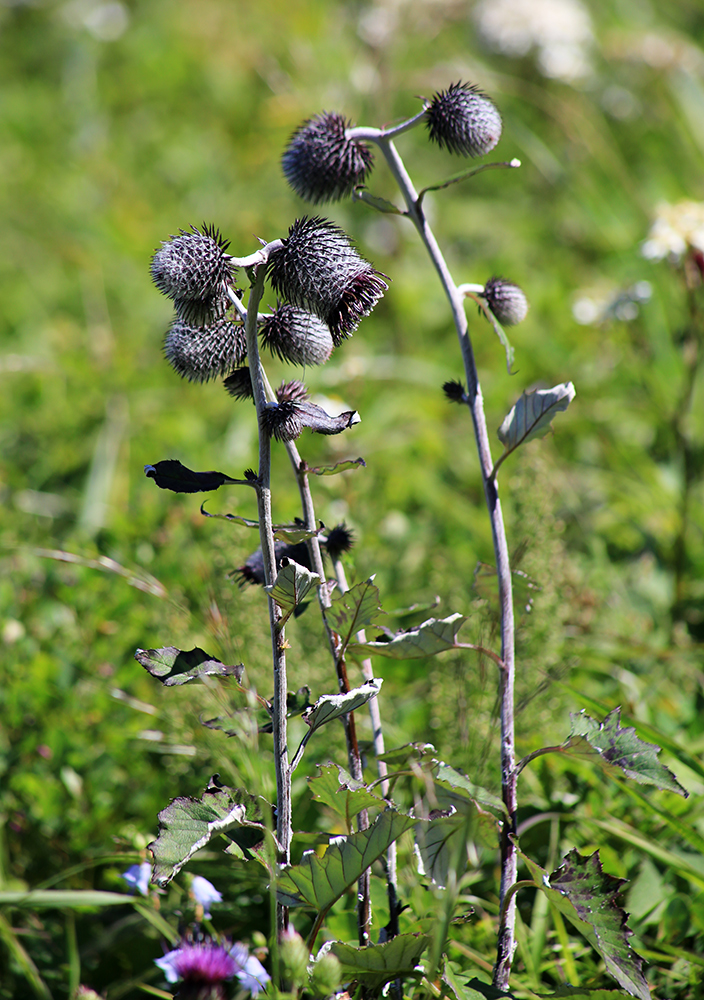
(172,475)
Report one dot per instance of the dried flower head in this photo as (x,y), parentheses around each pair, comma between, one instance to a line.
(200,353)
(292,392)
(282,420)
(454,391)
(253,569)
(463,120)
(194,270)
(239,384)
(339,539)
(297,336)
(321,163)
(506,300)
(317,268)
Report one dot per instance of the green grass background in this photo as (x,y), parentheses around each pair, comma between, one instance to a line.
(120,124)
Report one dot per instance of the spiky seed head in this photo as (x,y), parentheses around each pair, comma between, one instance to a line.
(297,336)
(506,300)
(292,392)
(194,270)
(281,420)
(454,391)
(340,539)
(321,163)
(463,120)
(200,353)
(318,269)
(239,384)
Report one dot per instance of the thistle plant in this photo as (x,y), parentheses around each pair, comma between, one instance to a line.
(324,290)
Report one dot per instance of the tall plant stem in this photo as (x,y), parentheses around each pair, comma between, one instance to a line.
(506,940)
(266,538)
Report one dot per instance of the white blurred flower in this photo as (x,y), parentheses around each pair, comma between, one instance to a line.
(205,893)
(138,877)
(559,30)
(677,228)
(597,306)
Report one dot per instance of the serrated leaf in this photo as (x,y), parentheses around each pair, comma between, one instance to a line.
(186,825)
(378,964)
(333,706)
(354,610)
(616,747)
(318,882)
(172,475)
(586,895)
(532,415)
(332,470)
(174,666)
(445,774)
(433,636)
(341,793)
(291,533)
(446,839)
(292,584)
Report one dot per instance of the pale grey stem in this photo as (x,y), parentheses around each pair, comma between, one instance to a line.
(377,134)
(509,859)
(266,538)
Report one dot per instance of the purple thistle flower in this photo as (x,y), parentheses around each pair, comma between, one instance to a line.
(205,893)
(200,353)
(138,877)
(318,269)
(321,163)
(194,270)
(506,300)
(297,336)
(463,120)
(204,962)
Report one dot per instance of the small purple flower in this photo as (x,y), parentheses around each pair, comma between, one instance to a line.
(138,878)
(205,962)
(252,974)
(205,893)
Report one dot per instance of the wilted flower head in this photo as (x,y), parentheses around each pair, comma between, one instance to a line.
(318,269)
(463,120)
(194,270)
(205,894)
(138,877)
(676,229)
(200,353)
(321,163)
(506,300)
(297,336)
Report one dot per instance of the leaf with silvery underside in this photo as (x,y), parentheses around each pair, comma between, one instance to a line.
(172,475)
(532,415)
(377,964)
(586,895)
(292,584)
(360,193)
(433,636)
(332,470)
(357,608)
(333,706)
(186,825)
(174,666)
(338,790)
(291,533)
(618,747)
(318,882)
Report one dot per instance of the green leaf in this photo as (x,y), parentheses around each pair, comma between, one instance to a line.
(445,774)
(378,964)
(532,415)
(616,747)
(318,882)
(503,337)
(174,666)
(186,825)
(332,470)
(581,993)
(291,533)
(475,989)
(444,840)
(586,895)
(354,610)
(409,753)
(333,706)
(297,703)
(73,899)
(341,793)
(292,584)
(360,193)
(434,636)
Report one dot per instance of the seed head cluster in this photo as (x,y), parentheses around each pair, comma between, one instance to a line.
(318,269)
(506,300)
(463,120)
(194,270)
(296,336)
(321,163)
(201,353)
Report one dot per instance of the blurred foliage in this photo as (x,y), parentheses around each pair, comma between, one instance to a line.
(121,123)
